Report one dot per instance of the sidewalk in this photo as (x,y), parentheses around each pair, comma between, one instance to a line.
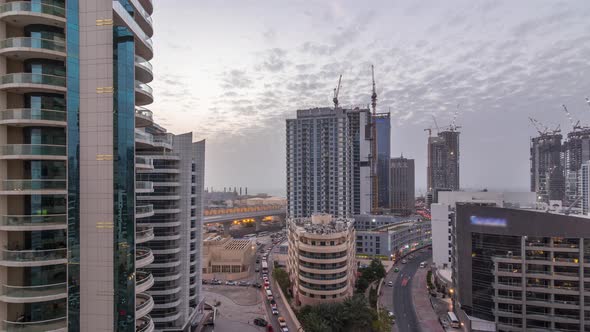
(424,311)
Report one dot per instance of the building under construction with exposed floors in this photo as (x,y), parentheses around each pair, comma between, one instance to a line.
(443,160)
(547,176)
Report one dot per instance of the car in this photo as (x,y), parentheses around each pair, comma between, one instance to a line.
(216,282)
(243,283)
(257,285)
(205,282)
(264,275)
(396,269)
(269,329)
(390,284)
(404,261)
(285,329)
(257,270)
(282,321)
(275,311)
(273,304)
(231,283)
(260,322)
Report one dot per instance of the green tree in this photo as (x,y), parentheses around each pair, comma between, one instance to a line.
(382,322)
(377,268)
(282,278)
(361,284)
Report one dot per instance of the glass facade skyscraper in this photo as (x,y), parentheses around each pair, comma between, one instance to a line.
(383,125)
(100,207)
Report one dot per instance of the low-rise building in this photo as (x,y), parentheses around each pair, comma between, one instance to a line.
(367,222)
(227,258)
(321,262)
(394,240)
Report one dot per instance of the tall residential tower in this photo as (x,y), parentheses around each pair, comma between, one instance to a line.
(79,250)
(328,168)
(402,192)
(383,123)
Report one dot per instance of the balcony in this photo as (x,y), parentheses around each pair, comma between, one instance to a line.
(23,48)
(143,257)
(144,187)
(33,187)
(23,117)
(143,117)
(33,152)
(144,211)
(144,234)
(143,70)
(147,5)
(143,281)
(144,20)
(32,294)
(143,94)
(144,163)
(143,305)
(56,324)
(144,324)
(28,82)
(31,258)
(18,223)
(22,13)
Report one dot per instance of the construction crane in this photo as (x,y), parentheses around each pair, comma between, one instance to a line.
(336,92)
(543,129)
(453,126)
(588,101)
(435,123)
(374,179)
(575,125)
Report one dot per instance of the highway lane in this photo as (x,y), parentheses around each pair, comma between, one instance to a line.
(403,305)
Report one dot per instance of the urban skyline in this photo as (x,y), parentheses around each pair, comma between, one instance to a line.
(489,57)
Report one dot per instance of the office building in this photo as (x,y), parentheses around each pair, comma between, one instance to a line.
(403,197)
(328,168)
(73,83)
(443,214)
(520,270)
(443,161)
(393,241)
(321,262)
(547,176)
(383,127)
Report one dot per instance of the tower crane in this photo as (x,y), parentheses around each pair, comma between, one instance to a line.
(453,126)
(541,129)
(435,123)
(336,92)
(575,125)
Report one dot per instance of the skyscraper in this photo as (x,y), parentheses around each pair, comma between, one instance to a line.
(383,123)
(328,162)
(443,161)
(72,86)
(547,176)
(402,185)
(576,151)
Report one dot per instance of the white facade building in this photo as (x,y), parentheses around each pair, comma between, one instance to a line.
(442,211)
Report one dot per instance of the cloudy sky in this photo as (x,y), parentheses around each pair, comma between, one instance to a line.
(233,71)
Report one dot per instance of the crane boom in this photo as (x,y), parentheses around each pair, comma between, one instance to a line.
(435,124)
(336,92)
(575,125)
(453,126)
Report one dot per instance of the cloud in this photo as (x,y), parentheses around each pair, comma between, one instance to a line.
(275,60)
(236,79)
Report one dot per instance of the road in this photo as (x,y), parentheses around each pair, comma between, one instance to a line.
(403,305)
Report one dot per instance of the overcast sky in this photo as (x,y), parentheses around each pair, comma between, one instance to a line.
(233,71)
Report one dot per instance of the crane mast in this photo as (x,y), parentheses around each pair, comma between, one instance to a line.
(373,118)
(336,92)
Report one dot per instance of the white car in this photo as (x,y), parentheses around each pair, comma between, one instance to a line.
(275,311)
(390,284)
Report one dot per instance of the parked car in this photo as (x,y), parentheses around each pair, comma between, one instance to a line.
(404,261)
(260,322)
(231,283)
(257,285)
(243,283)
(216,282)
(205,282)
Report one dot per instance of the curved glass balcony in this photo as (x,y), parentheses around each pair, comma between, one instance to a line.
(144,303)
(55,324)
(35,43)
(143,257)
(144,234)
(20,115)
(30,78)
(143,70)
(144,163)
(147,4)
(21,185)
(143,117)
(34,255)
(22,294)
(144,211)
(144,324)
(143,281)
(143,94)
(144,186)
(19,150)
(28,6)
(33,222)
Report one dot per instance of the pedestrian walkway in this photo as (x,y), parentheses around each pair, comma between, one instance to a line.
(427,318)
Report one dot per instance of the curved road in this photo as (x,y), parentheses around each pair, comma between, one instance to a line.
(403,305)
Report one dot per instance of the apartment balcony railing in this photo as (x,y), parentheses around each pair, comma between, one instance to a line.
(33,255)
(28,6)
(30,78)
(32,221)
(24,293)
(56,324)
(19,115)
(37,150)
(35,43)
(22,185)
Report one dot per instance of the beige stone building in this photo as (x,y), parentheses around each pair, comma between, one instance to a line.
(227,258)
(321,261)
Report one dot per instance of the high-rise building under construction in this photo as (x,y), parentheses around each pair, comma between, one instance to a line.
(547,176)
(443,161)
(576,151)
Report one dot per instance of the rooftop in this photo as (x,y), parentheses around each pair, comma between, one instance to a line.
(322,224)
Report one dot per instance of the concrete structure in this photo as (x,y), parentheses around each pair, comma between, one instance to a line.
(328,162)
(367,222)
(576,151)
(393,241)
(73,83)
(227,258)
(443,161)
(520,270)
(443,213)
(383,127)
(402,188)
(547,176)
(321,263)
